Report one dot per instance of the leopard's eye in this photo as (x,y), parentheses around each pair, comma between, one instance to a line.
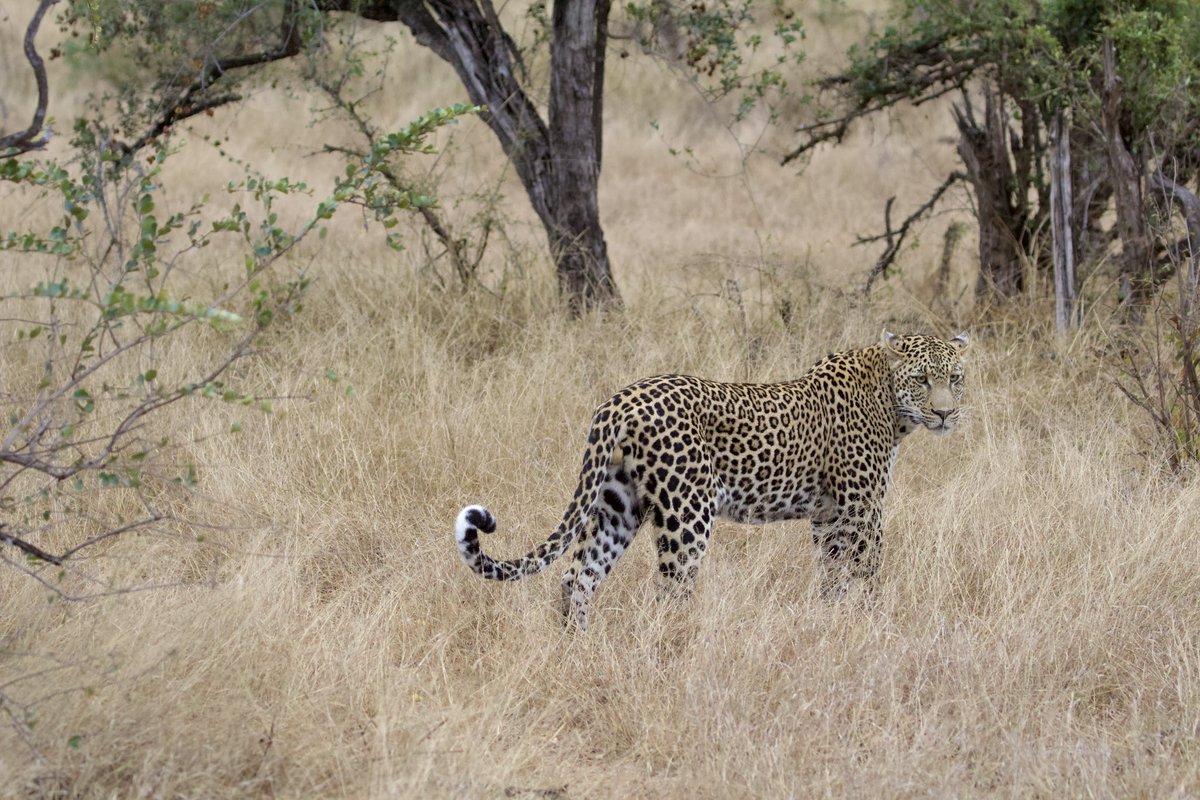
(925,379)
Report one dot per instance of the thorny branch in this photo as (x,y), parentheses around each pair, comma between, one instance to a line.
(31,455)
(43,460)
(20,696)
(39,462)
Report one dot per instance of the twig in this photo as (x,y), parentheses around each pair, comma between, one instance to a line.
(141,523)
(28,547)
(24,732)
(74,598)
(37,552)
(369,132)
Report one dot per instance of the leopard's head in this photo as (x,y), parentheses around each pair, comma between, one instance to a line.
(927,373)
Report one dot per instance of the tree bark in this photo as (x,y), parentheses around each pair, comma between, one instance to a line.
(558,162)
(1062,226)
(1137,282)
(580,28)
(1002,224)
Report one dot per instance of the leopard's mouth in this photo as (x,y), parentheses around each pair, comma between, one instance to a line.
(939,425)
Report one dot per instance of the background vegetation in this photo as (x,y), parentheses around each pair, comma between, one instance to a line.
(311,631)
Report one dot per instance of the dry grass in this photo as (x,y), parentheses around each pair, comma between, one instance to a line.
(1037,631)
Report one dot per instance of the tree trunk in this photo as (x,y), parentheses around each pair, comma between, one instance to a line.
(580,28)
(558,163)
(1063,226)
(1092,191)
(1137,281)
(1002,225)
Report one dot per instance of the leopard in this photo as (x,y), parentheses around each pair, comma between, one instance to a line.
(680,451)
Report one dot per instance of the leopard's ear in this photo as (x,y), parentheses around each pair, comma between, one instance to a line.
(960,342)
(891,345)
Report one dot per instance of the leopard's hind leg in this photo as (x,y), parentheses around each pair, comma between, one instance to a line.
(615,521)
(685,522)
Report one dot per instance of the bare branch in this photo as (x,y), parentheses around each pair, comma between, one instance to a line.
(28,547)
(25,140)
(8,706)
(141,523)
(74,598)
(895,237)
(37,552)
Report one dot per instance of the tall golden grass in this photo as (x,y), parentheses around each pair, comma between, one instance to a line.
(1037,626)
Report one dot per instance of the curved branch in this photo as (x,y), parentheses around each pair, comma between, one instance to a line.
(25,140)
(1188,203)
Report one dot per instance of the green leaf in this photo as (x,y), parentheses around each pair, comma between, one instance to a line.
(84,401)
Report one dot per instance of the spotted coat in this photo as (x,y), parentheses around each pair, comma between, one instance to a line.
(679,451)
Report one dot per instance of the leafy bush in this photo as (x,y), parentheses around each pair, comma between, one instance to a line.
(118,322)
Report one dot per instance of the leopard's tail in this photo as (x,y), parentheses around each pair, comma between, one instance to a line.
(473,519)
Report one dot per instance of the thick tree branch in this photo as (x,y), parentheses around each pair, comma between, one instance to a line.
(25,140)
(1125,175)
(482,56)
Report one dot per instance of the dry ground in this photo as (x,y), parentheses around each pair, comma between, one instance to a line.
(1037,630)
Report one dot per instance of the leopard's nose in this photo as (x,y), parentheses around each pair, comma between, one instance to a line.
(942,413)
